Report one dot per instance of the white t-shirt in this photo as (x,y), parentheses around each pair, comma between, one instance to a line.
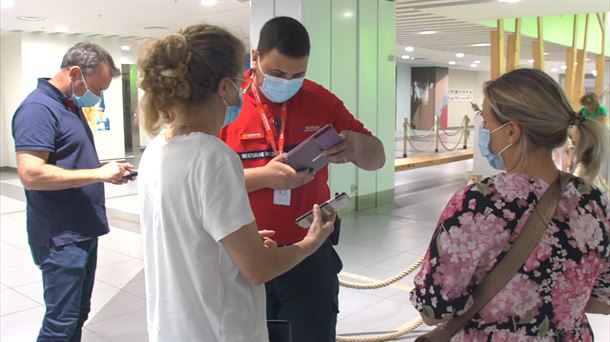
(192,195)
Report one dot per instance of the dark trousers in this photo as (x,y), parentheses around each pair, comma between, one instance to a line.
(68,273)
(308,296)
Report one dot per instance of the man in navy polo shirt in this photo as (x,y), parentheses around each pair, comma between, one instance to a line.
(63,180)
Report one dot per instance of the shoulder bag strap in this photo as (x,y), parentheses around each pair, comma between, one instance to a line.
(504,271)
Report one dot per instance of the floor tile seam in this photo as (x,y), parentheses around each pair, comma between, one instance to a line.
(121,262)
(23,310)
(125,254)
(90,325)
(26,295)
(122,254)
(97,336)
(13,212)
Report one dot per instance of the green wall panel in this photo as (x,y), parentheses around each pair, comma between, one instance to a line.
(367,89)
(386,100)
(558,29)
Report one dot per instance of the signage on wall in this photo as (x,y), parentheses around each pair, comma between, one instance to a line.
(460,95)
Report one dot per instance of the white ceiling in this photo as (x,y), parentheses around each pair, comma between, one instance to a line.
(126,18)
(455,21)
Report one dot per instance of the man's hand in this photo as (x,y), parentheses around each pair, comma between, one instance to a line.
(114,172)
(279,175)
(345,151)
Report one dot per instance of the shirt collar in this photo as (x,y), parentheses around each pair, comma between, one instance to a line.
(51,90)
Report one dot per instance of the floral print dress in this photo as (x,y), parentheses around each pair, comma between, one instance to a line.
(546,299)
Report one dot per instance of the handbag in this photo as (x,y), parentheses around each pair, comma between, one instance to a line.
(508,267)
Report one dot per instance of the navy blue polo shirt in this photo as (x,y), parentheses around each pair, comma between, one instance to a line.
(45,122)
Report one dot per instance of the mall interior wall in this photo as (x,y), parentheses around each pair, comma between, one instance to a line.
(29,56)
(465,80)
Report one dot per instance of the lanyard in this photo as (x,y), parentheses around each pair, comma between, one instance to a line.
(265,118)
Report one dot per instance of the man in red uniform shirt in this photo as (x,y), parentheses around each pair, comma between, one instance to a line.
(281,109)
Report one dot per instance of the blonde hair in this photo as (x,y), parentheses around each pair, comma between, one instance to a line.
(185,68)
(532,99)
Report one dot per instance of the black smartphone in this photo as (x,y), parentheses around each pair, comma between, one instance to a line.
(132,175)
(329,207)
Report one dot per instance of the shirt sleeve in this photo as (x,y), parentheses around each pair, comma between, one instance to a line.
(226,207)
(34,128)
(454,260)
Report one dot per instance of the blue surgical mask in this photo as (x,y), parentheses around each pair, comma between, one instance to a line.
(88,99)
(495,160)
(277,89)
(232,112)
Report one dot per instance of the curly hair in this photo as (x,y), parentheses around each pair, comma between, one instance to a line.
(185,68)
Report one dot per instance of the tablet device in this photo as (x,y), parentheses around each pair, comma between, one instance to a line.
(333,205)
(308,154)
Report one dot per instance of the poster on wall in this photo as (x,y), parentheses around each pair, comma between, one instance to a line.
(462,95)
(96,117)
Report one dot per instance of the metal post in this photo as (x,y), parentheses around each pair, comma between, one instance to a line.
(466,131)
(437,135)
(405,138)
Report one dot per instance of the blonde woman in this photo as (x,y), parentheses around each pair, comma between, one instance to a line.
(525,116)
(205,262)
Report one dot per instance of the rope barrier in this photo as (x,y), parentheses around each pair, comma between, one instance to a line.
(403,329)
(418,150)
(407,140)
(386,282)
(456,145)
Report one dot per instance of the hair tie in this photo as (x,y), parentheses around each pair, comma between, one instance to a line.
(169,73)
(576,119)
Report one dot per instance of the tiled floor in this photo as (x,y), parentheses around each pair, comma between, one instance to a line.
(374,244)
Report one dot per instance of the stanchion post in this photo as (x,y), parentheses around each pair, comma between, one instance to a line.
(437,135)
(466,131)
(405,138)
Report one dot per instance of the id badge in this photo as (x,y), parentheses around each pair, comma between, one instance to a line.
(281,197)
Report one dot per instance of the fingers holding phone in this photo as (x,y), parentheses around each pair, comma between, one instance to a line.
(322,225)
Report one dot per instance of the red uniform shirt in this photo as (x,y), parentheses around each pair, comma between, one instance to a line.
(310,109)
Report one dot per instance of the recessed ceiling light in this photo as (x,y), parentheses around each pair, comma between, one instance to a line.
(31,18)
(156,28)
(451,62)
(61,29)
(477,62)
(554,69)
(563,67)
(209,2)
(546,53)
(7,3)
(409,49)
(404,56)
(459,55)
(531,61)
(510,1)
(473,65)
(348,14)
(125,47)
(481,44)
(587,59)
(427,32)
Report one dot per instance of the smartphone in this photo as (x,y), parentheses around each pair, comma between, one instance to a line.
(132,175)
(329,207)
